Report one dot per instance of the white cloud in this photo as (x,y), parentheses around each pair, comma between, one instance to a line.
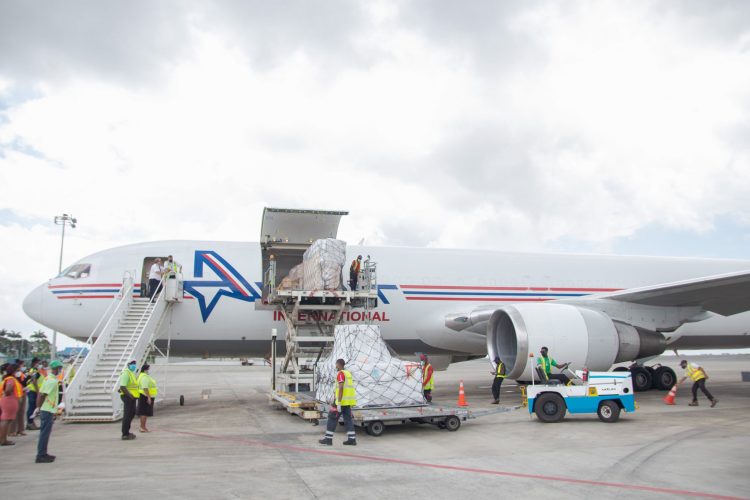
(512,127)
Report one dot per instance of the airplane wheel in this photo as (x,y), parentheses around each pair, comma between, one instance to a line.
(664,378)
(608,411)
(550,407)
(641,378)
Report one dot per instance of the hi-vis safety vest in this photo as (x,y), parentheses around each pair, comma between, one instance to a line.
(499,369)
(695,374)
(349,395)
(132,386)
(152,390)
(430,385)
(17,387)
(32,379)
(546,364)
(355,267)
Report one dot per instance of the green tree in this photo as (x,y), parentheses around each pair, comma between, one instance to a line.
(4,341)
(40,344)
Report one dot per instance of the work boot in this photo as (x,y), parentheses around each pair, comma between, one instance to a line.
(326,441)
(496,402)
(694,403)
(713,402)
(350,442)
(50,456)
(128,437)
(31,427)
(46,459)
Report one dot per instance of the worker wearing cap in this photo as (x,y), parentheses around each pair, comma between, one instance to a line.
(697,374)
(346,400)
(354,272)
(546,363)
(147,386)
(497,381)
(428,378)
(46,406)
(129,393)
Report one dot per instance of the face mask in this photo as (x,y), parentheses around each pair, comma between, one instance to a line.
(18,374)
(131,368)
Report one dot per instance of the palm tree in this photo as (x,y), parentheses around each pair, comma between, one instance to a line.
(15,342)
(41,344)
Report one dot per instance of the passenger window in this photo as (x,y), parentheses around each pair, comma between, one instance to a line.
(76,271)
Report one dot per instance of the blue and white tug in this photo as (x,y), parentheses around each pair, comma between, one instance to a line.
(603,393)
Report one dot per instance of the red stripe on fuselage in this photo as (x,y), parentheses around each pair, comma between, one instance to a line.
(507,288)
(227,276)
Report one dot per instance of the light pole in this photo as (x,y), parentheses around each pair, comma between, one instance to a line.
(61,220)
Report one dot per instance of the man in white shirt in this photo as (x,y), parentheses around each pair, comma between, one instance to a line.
(154,277)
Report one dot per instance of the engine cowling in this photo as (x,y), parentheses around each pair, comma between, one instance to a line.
(584,337)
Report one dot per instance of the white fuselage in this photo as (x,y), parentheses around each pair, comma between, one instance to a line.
(418,288)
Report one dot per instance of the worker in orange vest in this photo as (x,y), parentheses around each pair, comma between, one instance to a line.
(10,395)
(428,379)
(354,272)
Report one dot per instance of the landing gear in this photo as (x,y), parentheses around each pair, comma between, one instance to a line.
(642,378)
(650,377)
(664,378)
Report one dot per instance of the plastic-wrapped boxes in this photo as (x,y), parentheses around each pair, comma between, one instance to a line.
(322,264)
(379,378)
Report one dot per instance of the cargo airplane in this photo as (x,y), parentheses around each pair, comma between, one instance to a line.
(592,311)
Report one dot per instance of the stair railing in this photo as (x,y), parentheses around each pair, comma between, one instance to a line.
(156,306)
(110,321)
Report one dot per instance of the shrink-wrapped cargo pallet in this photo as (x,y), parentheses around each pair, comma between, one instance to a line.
(379,378)
(322,264)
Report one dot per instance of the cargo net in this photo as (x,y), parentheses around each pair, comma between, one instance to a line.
(379,378)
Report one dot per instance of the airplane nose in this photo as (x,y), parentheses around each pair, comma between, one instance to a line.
(32,304)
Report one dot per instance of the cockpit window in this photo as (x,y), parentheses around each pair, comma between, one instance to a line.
(76,271)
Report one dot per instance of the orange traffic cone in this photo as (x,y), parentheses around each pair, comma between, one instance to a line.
(669,399)
(461,395)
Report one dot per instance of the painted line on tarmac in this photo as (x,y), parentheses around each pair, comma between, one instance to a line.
(519,475)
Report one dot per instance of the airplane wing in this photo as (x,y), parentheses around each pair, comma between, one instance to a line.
(724,294)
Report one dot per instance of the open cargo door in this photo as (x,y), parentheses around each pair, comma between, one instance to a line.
(286,233)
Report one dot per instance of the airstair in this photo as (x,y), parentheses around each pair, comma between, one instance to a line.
(125,332)
(310,316)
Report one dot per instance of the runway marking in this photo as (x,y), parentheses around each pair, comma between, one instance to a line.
(455,468)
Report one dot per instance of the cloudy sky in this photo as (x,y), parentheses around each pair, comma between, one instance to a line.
(614,127)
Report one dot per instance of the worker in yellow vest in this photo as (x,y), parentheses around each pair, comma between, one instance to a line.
(497,381)
(147,398)
(428,378)
(46,407)
(697,374)
(129,393)
(345,400)
(33,383)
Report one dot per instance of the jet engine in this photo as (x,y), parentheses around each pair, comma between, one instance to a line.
(583,337)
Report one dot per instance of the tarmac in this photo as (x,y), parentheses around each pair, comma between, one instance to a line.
(232,443)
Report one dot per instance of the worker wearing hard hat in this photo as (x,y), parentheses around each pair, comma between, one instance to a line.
(354,272)
(428,378)
(545,363)
(345,401)
(497,381)
(46,406)
(697,374)
(129,393)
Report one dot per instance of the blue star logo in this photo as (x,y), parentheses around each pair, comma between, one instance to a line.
(230,283)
